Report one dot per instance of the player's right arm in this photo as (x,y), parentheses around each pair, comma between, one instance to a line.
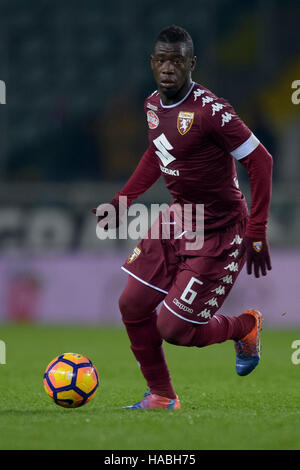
(144,176)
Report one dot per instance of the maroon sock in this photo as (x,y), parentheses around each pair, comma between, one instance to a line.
(138,304)
(219,329)
(146,345)
(222,328)
(243,325)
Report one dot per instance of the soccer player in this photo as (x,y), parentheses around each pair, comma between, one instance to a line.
(194,139)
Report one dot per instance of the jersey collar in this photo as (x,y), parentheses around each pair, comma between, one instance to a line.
(178,102)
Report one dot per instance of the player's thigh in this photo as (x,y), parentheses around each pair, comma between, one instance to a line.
(197,294)
(138,300)
(152,267)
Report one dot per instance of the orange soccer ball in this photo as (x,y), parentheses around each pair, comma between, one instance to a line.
(71,380)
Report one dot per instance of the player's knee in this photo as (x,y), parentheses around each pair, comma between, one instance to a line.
(128,307)
(133,308)
(174,330)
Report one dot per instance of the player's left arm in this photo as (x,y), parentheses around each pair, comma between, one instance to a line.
(231,133)
(259,165)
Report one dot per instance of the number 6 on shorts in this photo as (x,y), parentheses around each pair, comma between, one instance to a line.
(189,290)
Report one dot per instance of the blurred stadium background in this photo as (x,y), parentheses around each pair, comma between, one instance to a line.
(73,130)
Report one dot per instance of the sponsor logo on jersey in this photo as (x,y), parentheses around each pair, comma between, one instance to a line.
(152,106)
(184,121)
(198,93)
(212,302)
(226,117)
(232,267)
(152,119)
(204,313)
(163,146)
(227,279)
(134,255)
(182,307)
(234,254)
(237,240)
(168,171)
(257,246)
(220,290)
(216,107)
(206,99)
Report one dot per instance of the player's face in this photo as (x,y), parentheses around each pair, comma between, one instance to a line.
(172,65)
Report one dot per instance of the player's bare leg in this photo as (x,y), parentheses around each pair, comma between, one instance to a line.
(138,304)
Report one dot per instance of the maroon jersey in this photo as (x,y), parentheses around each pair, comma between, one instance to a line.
(194,143)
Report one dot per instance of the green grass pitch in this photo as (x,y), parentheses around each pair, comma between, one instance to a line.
(219,409)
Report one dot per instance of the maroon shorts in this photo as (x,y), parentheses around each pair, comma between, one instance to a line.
(194,283)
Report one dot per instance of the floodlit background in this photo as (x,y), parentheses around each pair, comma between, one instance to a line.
(73,130)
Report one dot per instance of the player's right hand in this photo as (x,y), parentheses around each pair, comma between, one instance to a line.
(108,215)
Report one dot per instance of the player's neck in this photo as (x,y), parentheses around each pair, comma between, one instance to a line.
(181,95)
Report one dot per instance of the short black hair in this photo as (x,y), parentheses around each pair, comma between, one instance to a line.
(174,34)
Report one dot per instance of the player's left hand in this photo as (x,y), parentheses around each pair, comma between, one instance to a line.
(258,255)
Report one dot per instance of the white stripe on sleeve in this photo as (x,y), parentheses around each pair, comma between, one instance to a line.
(246,148)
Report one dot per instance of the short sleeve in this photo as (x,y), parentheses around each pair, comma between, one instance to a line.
(228,130)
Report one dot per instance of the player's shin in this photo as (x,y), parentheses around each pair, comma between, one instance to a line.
(146,343)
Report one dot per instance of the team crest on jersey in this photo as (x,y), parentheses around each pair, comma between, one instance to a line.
(152,119)
(134,255)
(184,121)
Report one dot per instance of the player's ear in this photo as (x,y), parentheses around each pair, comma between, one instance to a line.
(151,61)
(193,63)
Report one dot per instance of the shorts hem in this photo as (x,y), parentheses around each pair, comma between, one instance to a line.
(183,318)
(144,282)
